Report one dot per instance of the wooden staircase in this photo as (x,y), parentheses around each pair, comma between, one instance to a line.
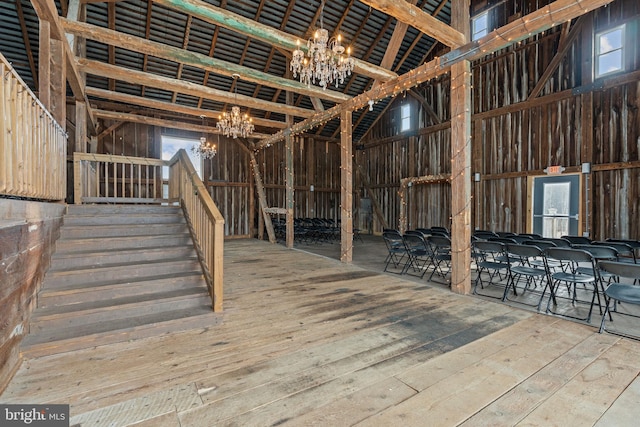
(119,272)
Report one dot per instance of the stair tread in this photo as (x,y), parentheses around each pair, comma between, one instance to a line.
(146,284)
(115,304)
(109,282)
(94,268)
(116,326)
(119,251)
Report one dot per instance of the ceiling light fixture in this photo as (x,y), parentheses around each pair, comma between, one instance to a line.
(234,124)
(325,61)
(205,149)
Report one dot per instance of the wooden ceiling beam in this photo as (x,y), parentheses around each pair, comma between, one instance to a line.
(265,33)
(410,14)
(152,121)
(47,11)
(198,60)
(540,20)
(147,79)
(171,108)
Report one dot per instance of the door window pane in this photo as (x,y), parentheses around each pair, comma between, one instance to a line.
(556,209)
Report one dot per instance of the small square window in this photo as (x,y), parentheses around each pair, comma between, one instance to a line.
(480,26)
(405,117)
(609,51)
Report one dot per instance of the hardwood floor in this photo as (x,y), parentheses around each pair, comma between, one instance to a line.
(308,341)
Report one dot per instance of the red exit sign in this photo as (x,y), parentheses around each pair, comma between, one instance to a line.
(554,170)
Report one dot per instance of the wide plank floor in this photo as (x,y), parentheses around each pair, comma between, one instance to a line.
(308,341)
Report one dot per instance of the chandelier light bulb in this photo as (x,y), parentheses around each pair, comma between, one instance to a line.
(324,62)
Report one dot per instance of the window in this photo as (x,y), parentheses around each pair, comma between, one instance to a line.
(480,26)
(609,51)
(405,117)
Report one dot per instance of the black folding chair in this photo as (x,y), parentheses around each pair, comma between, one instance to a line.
(490,259)
(529,262)
(440,255)
(574,278)
(396,250)
(626,252)
(418,251)
(620,292)
(577,240)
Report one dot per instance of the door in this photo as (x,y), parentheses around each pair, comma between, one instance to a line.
(556,205)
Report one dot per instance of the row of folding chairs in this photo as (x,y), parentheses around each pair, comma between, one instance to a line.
(552,272)
(309,230)
(415,252)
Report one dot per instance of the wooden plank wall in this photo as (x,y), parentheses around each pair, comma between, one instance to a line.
(229,178)
(317,164)
(515,138)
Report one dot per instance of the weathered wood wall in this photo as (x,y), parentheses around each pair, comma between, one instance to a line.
(317,164)
(572,121)
(28,231)
(229,180)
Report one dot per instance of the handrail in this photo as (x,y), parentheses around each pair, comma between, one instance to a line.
(33,146)
(107,178)
(205,221)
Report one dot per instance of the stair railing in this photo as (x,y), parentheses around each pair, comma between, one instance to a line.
(205,221)
(33,146)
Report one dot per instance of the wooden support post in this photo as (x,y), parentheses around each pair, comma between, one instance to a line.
(310,145)
(289,176)
(58,65)
(461,177)
(44,61)
(262,197)
(81,127)
(461,103)
(346,188)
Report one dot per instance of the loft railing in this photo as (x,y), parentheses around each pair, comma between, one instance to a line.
(104,178)
(33,146)
(205,221)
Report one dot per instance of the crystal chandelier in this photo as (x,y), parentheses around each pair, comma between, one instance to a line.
(234,124)
(325,62)
(205,149)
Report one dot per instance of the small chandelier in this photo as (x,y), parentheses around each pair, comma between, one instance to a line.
(205,149)
(326,62)
(234,124)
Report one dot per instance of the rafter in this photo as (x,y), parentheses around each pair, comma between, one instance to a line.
(171,108)
(195,59)
(248,27)
(174,124)
(138,77)
(405,12)
(47,11)
(540,20)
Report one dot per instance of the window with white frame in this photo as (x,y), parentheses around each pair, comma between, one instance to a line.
(405,117)
(609,51)
(480,25)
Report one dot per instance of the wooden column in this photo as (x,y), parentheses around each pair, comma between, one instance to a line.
(81,127)
(44,60)
(289,176)
(461,104)
(346,188)
(311,173)
(262,198)
(58,65)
